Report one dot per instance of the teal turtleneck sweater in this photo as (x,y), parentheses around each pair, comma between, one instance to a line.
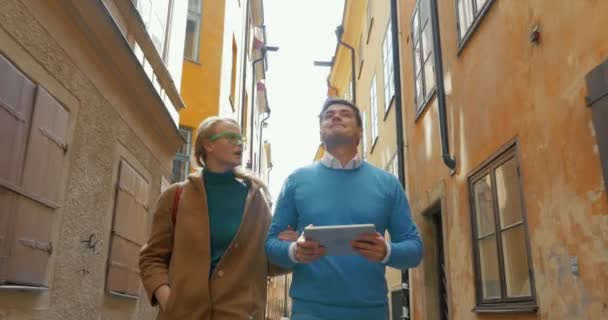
(226,203)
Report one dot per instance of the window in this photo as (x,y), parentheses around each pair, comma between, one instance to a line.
(193,29)
(155,15)
(469,13)
(34,145)
(503,271)
(370,19)
(373,107)
(360,54)
(387,59)
(364,135)
(233,74)
(424,67)
(181,162)
(393,166)
(347,91)
(128,232)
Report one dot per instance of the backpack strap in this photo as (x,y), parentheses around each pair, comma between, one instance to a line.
(176,198)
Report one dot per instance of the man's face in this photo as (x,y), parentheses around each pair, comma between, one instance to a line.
(339,125)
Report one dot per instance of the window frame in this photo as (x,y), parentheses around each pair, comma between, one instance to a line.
(373,107)
(478,16)
(428,93)
(503,304)
(388,67)
(369,21)
(198,18)
(179,156)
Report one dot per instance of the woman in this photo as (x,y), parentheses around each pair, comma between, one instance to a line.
(205,258)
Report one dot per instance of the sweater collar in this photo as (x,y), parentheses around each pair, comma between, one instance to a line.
(218,178)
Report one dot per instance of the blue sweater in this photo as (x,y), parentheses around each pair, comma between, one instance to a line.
(343,286)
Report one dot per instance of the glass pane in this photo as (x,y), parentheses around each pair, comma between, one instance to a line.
(508,194)
(429,75)
(417,58)
(194,6)
(484,206)
(415,25)
(516,262)
(427,41)
(425,11)
(488,261)
(191,43)
(465,15)
(419,97)
(180,169)
(480,4)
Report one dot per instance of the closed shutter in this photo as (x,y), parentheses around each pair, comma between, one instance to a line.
(31,246)
(597,99)
(16,101)
(127,231)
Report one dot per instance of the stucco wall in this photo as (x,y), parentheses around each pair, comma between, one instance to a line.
(503,87)
(41,39)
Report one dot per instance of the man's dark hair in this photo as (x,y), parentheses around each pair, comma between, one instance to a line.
(333,101)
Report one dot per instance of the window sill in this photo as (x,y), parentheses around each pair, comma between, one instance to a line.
(23,288)
(525,307)
(464,40)
(374,143)
(192,61)
(425,104)
(390,104)
(123,295)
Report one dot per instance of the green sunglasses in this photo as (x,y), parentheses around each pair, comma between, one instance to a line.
(232,137)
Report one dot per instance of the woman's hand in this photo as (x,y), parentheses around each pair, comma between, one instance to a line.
(288,235)
(162,295)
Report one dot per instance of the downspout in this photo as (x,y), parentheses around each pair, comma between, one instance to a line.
(261,133)
(443,124)
(352,64)
(405,280)
(256,61)
(246,46)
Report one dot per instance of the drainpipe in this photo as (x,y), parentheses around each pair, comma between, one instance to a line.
(252,110)
(443,124)
(246,46)
(261,133)
(339,32)
(405,280)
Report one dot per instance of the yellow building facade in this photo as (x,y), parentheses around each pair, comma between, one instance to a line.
(224,39)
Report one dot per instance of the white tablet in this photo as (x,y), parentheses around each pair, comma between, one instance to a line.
(336,239)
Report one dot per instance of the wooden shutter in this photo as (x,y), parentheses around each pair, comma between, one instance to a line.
(31,246)
(127,231)
(16,101)
(597,88)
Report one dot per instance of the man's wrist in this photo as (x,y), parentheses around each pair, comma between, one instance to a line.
(388,252)
(292,252)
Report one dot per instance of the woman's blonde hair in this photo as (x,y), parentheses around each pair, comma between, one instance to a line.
(205,130)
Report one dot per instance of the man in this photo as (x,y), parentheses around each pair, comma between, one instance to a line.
(342,189)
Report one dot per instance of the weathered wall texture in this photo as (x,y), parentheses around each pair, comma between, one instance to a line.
(41,39)
(502,87)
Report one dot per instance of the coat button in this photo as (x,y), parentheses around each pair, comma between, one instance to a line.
(220,273)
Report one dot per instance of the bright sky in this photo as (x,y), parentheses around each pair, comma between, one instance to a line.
(304,31)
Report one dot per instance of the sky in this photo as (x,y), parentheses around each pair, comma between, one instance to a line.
(304,32)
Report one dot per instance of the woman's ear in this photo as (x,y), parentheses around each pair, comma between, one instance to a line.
(208,146)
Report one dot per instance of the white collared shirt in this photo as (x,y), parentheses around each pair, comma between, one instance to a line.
(331,162)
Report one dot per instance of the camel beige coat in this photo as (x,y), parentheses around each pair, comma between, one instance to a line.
(180,257)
